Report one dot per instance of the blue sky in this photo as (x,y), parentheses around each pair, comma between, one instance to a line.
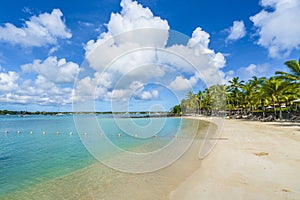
(44,43)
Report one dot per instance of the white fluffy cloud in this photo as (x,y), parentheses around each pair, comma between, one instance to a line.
(279,29)
(57,71)
(136,48)
(41,91)
(52,85)
(196,59)
(180,83)
(135,90)
(200,40)
(138,62)
(133,22)
(260,70)
(236,31)
(148,95)
(38,31)
(133,53)
(8,81)
(134,16)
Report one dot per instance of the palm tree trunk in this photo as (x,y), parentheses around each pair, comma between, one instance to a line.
(280,111)
(274,107)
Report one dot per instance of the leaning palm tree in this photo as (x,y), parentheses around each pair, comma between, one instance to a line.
(294,74)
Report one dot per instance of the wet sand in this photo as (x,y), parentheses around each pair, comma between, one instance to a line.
(255,160)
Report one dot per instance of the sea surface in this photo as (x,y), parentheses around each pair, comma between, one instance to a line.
(44,157)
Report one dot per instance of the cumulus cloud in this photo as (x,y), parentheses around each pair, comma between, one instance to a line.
(133,16)
(52,85)
(140,48)
(38,31)
(236,31)
(196,59)
(8,81)
(135,50)
(259,70)
(278,29)
(57,71)
(147,95)
(92,88)
(136,90)
(13,89)
(180,83)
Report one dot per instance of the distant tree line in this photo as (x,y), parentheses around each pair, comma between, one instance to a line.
(12,112)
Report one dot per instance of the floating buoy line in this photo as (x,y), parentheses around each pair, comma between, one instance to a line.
(85,134)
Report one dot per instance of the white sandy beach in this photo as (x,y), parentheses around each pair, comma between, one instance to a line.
(258,161)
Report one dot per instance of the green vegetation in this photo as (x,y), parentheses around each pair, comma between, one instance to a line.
(258,94)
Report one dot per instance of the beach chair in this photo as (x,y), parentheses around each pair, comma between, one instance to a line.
(270,118)
(295,118)
(256,118)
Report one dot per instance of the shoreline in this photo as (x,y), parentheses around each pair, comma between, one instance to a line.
(250,160)
(258,160)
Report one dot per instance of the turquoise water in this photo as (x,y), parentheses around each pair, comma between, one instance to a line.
(29,159)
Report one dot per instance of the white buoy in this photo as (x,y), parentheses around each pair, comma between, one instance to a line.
(57,132)
(6,132)
(30,132)
(71,133)
(44,133)
(19,132)
(119,135)
(85,133)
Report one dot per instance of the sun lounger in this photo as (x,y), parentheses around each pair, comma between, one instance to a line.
(270,118)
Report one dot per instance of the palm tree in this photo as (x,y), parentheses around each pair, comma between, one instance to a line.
(256,84)
(218,94)
(294,75)
(275,88)
(235,91)
(248,95)
(206,101)
(199,97)
(191,102)
(184,105)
